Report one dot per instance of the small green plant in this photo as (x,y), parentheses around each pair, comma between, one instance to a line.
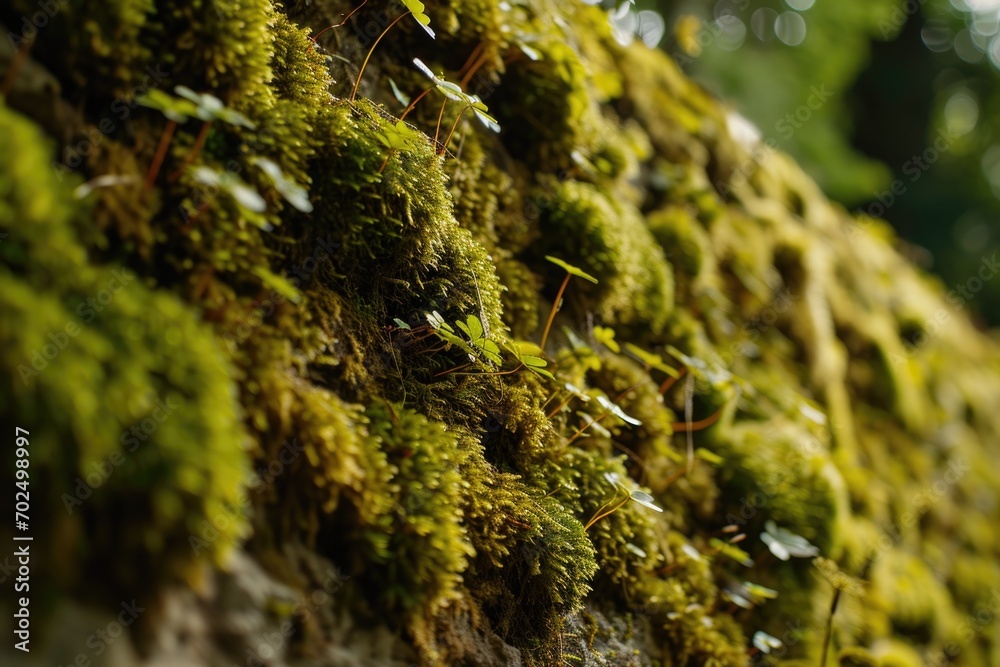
(765,643)
(640,497)
(176,111)
(293,193)
(783,543)
(610,408)
(532,362)
(479,347)
(190,104)
(606,337)
(572,391)
(570,272)
(249,202)
(396,137)
(748,594)
(414,8)
(208,108)
(452,91)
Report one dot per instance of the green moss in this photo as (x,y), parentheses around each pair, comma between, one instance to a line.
(454,498)
(610,241)
(152,453)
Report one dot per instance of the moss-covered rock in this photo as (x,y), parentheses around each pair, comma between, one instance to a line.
(316,324)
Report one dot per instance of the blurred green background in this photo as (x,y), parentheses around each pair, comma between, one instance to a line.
(871,97)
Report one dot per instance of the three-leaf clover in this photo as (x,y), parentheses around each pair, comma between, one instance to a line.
(294,194)
(765,642)
(571,270)
(785,544)
(606,337)
(417,10)
(209,108)
(640,497)
(473,328)
(533,363)
(454,92)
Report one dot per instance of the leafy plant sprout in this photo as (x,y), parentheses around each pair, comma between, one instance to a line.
(610,408)
(614,504)
(480,347)
(190,104)
(784,544)
(572,391)
(414,8)
(452,91)
(208,108)
(176,111)
(410,104)
(570,272)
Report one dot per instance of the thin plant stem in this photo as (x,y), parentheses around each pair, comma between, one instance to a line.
(583,428)
(496,374)
(602,415)
(437,130)
(669,382)
(688,407)
(346,19)
(386,160)
(453,127)
(555,307)
(472,56)
(195,150)
(354,92)
(559,407)
(701,424)
(161,153)
(473,69)
(452,370)
(829,627)
(413,103)
(598,517)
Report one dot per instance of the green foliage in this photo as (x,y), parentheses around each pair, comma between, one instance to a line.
(419,547)
(158,414)
(612,241)
(453,498)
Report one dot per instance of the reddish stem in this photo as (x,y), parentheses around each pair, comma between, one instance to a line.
(354,92)
(161,153)
(555,307)
(348,18)
(195,150)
